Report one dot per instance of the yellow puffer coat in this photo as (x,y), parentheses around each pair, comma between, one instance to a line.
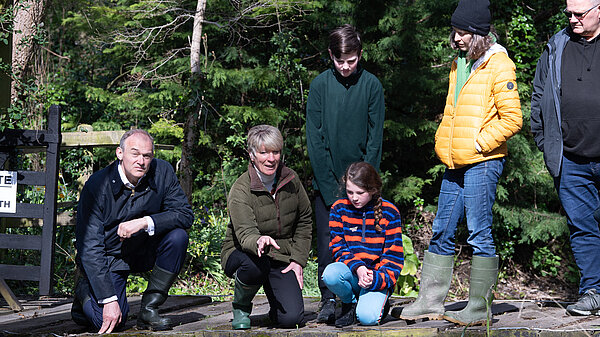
(488,111)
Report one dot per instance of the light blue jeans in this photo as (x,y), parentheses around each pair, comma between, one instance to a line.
(469,191)
(342,282)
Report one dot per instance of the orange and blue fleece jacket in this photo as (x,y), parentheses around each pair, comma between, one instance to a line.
(355,241)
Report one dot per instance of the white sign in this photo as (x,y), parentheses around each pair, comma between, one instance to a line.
(8,192)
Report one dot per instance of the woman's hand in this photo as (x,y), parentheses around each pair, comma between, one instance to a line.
(297,270)
(263,242)
(365,277)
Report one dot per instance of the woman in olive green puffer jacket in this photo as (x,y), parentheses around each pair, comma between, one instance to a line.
(269,235)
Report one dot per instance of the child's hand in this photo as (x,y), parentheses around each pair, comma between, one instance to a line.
(365,277)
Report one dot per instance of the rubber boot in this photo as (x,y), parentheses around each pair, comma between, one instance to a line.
(242,304)
(436,276)
(386,310)
(156,294)
(484,273)
(82,296)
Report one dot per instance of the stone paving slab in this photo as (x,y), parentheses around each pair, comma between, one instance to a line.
(199,316)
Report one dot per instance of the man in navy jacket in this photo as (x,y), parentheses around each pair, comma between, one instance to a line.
(565,117)
(132,216)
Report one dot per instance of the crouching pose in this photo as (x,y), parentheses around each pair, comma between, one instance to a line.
(482,112)
(269,235)
(132,216)
(366,243)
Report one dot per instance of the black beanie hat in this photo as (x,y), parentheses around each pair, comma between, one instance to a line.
(473,16)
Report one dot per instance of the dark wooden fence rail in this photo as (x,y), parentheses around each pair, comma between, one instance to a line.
(10,140)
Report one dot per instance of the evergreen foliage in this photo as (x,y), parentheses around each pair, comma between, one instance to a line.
(125,63)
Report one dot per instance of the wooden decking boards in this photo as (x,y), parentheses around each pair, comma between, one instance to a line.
(199,316)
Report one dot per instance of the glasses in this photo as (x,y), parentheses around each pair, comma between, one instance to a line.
(578,16)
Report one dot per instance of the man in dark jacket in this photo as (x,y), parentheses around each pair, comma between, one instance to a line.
(565,119)
(344,124)
(132,216)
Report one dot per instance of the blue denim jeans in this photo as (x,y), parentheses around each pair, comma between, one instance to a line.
(342,282)
(469,191)
(577,188)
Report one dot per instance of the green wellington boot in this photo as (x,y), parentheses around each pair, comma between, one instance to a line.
(156,294)
(242,304)
(435,283)
(484,273)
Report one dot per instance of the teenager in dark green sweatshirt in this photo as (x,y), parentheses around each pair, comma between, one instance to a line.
(344,124)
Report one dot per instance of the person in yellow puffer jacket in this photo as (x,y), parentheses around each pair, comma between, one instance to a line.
(482,112)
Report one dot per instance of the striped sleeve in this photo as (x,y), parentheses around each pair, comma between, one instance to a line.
(391,263)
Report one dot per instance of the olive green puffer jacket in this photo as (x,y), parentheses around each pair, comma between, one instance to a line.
(254,212)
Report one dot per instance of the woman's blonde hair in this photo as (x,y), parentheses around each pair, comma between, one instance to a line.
(479,43)
(264,135)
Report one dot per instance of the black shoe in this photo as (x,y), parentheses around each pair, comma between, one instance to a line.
(588,304)
(348,315)
(327,312)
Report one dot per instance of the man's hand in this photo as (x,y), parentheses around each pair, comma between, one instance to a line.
(111,317)
(297,270)
(129,228)
(263,242)
(365,277)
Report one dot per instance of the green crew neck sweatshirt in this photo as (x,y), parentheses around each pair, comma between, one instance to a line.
(344,124)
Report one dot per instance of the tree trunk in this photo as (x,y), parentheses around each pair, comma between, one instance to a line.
(5,79)
(190,131)
(197,37)
(28,16)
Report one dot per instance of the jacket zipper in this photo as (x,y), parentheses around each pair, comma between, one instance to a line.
(454,108)
(131,198)
(364,226)
(278,214)
(451,136)
(276,199)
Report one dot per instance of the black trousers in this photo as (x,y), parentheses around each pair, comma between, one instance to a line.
(282,290)
(324,257)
